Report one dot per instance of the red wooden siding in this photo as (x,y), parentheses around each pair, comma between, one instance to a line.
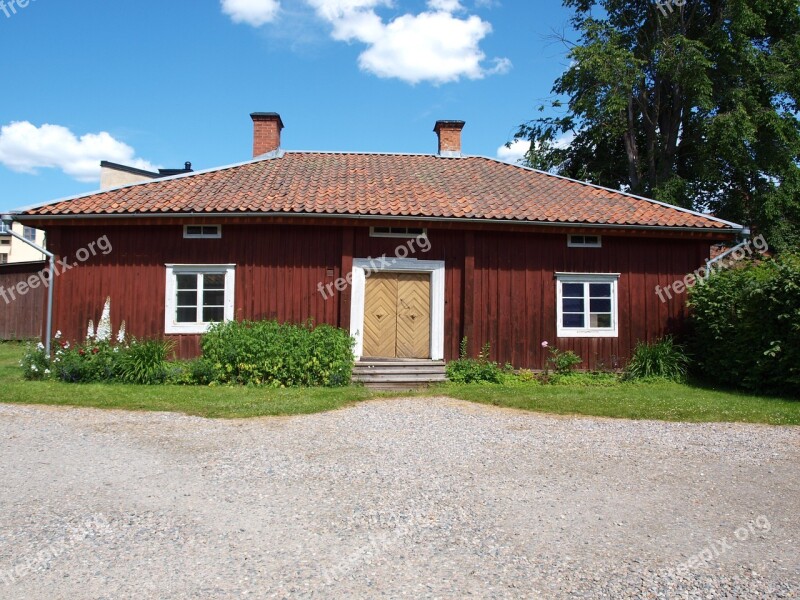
(500,285)
(21,317)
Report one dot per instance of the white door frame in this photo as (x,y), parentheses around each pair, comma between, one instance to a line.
(363,267)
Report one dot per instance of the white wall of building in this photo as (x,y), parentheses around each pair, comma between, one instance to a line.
(13,250)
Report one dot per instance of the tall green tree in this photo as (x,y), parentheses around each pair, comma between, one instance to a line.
(692,102)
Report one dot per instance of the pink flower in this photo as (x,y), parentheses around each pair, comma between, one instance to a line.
(545,344)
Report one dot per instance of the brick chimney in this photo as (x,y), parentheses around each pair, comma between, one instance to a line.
(449,133)
(266,132)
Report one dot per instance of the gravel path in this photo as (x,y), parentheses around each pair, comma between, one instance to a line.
(413,498)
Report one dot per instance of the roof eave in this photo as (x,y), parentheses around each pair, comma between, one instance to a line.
(733,229)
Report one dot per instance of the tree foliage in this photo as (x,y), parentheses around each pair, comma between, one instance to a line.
(695,105)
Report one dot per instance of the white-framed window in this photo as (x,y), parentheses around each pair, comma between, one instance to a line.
(29,233)
(397,232)
(584,241)
(197,296)
(3,258)
(586,304)
(4,229)
(213,232)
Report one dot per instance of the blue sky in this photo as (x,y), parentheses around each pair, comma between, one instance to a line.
(154,83)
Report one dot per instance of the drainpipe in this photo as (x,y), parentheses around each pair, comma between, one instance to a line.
(709,263)
(8,220)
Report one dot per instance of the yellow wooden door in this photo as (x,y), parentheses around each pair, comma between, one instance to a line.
(413,315)
(380,315)
(397,316)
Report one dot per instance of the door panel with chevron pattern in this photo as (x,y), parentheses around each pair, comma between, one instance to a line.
(397,316)
(413,315)
(380,315)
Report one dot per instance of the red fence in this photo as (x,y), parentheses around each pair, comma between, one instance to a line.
(21,315)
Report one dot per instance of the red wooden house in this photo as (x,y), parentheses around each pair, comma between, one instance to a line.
(411,253)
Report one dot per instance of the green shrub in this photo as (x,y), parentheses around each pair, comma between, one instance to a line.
(90,362)
(662,359)
(35,363)
(144,362)
(745,326)
(474,370)
(271,353)
(201,371)
(563,362)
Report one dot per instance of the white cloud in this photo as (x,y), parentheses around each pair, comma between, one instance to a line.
(433,45)
(25,148)
(251,12)
(515,153)
(445,5)
(519,148)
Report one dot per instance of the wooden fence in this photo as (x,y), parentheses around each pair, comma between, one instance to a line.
(21,315)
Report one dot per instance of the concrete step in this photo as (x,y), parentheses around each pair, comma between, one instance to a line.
(399,370)
(399,374)
(415,377)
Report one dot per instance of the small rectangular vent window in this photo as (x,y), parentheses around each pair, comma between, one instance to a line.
(584,241)
(202,231)
(398,232)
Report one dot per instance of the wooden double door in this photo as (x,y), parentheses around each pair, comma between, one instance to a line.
(397,315)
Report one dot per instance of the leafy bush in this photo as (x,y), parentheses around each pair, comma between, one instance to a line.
(662,359)
(474,370)
(271,353)
(563,362)
(89,362)
(745,326)
(35,363)
(144,362)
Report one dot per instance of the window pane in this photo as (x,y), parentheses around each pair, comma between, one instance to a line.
(210,230)
(572,305)
(591,240)
(601,320)
(600,306)
(187,315)
(194,230)
(29,233)
(600,290)
(214,298)
(381,229)
(187,282)
(187,298)
(572,290)
(573,320)
(577,239)
(213,313)
(416,230)
(214,282)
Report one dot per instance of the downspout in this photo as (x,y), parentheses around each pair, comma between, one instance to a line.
(710,263)
(8,220)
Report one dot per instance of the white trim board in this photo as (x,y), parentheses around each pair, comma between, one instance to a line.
(362,266)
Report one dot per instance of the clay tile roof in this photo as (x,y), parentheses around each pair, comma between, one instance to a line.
(386,185)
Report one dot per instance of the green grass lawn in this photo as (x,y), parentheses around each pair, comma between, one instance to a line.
(219,402)
(660,401)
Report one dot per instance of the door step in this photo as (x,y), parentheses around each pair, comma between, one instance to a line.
(399,374)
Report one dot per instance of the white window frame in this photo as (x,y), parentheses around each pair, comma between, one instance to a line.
(573,244)
(171,326)
(29,233)
(587,332)
(202,236)
(391,234)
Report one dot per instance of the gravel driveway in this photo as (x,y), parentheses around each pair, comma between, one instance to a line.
(413,498)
